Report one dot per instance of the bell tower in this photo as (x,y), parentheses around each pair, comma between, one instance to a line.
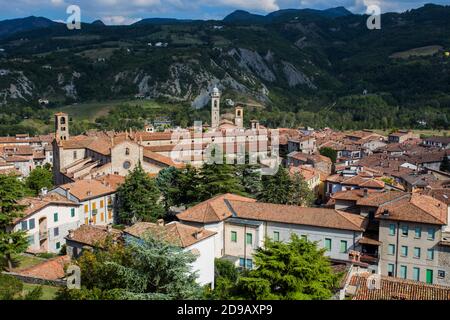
(215,108)
(239,117)
(62,126)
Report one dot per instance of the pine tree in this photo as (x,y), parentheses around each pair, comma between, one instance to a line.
(301,194)
(39,178)
(276,188)
(250,178)
(139,198)
(11,242)
(219,179)
(296,270)
(166,181)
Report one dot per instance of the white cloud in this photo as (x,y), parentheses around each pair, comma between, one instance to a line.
(119,20)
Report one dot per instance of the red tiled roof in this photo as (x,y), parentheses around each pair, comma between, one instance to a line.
(212,210)
(415,208)
(176,233)
(398,289)
(49,270)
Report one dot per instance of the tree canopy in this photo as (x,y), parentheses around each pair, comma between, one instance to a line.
(139,198)
(11,242)
(296,270)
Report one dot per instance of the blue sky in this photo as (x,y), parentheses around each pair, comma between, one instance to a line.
(129,11)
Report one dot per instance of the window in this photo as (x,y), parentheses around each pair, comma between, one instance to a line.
(110,215)
(233,236)
(31,240)
(441,274)
(94,205)
(403,272)
(127,165)
(249,264)
(72,212)
(405,230)
(55,217)
(102,203)
(391,249)
(431,234)
(56,232)
(417,253)
(86,208)
(31,224)
(276,236)
(391,270)
(416,274)
(242,262)
(75,155)
(94,219)
(404,251)
(102,216)
(127,151)
(24,225)
(429,276)
(392,229)
(86,221)
(430,254)
(343,246)
(418,232)
(328,244)
(58,245)
(248,238)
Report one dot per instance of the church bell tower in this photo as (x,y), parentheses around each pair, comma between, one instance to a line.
(215,108)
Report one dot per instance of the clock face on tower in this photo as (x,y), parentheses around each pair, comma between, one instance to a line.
(127,165)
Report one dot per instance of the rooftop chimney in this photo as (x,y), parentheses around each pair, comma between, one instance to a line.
(366,193)
(70,234)
(44,191)
(68,193)
(198,234)
(160,222)
(108,228)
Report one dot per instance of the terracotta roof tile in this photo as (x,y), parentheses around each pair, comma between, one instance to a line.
(398,289)
(88,189)
(212,210)
(175,232)
(49,270)
(93,236)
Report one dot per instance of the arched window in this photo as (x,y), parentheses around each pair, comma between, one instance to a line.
(63,120)
(215,103)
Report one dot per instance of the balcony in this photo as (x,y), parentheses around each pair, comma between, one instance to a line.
(370,258)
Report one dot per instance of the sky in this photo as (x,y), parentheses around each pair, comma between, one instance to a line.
(119,12)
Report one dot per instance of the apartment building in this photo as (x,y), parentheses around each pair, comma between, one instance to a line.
(242,224)
(198,241)
(96,200)
(47,220)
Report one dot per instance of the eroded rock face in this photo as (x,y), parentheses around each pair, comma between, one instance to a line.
(295,77)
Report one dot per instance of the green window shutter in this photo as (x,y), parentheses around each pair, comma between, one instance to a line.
(416,274)
(403,272)
(72,212)
(328,244)
(392,229)
(276,236)
(249,238)
(55,217)
(429,276)
(233,236)
(343,246)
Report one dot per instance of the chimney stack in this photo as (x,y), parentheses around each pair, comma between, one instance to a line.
(70,234)
(366,193)
(160,222)
(108,228)
(68,193)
